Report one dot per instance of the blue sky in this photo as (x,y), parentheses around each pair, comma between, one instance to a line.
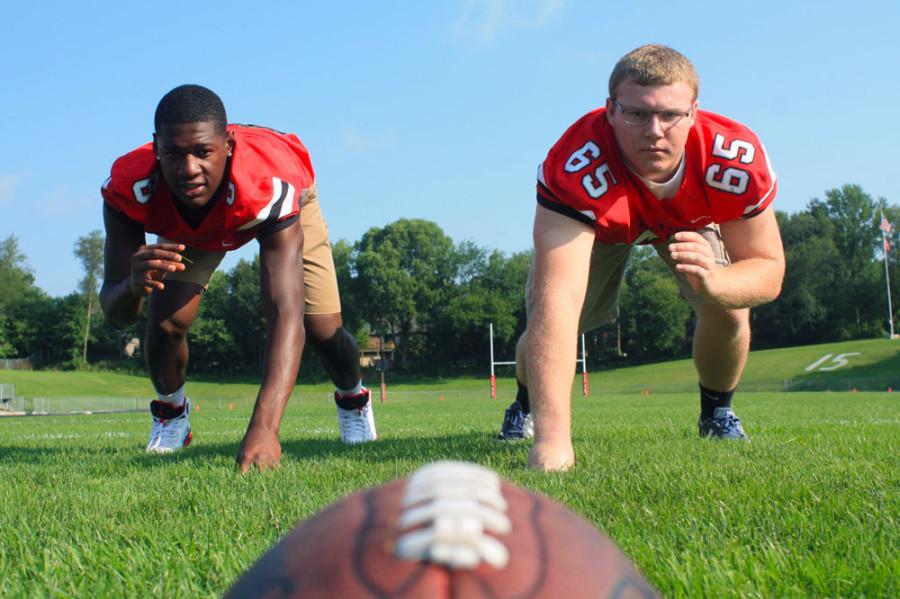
(435,110)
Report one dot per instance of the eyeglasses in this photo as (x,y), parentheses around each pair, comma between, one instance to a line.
(641,116)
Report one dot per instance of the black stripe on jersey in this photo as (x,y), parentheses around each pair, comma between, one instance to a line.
(268,229)
(275,212)
(756,212)
(555,206)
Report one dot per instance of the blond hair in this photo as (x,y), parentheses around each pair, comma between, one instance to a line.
(654,65)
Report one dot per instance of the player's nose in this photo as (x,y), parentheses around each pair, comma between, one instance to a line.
(190,165)
(654,127)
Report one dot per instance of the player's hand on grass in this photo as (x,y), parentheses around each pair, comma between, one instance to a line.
(150,265)
(260,449)
(694,258)
(551,457)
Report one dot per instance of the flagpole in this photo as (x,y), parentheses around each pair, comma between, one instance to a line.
(887,276)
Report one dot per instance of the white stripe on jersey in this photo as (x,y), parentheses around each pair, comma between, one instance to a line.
(762,200)
(286,205)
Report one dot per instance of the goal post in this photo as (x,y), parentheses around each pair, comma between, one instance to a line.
(7,393)
(585,385)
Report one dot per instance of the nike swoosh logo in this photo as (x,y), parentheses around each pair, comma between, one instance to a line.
(227,244)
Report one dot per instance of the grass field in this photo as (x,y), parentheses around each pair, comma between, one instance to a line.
(811,507)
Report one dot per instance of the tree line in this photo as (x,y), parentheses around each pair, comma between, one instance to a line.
(432,299)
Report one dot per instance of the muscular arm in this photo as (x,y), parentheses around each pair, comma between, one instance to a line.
(562,262)
(132,270)
(281,274)
(757,262)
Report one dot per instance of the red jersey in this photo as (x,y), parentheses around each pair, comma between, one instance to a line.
(727,176)
(268,173)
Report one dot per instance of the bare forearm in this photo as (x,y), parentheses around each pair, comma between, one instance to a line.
(284,346)
(748,283)
(120,306)
(551,365)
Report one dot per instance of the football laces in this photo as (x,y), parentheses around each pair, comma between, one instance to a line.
(448,508)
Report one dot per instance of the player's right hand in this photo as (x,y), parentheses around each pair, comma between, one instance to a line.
(150,265)
(259,450)
(551,457)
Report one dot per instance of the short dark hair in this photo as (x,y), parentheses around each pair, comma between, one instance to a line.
(190,104)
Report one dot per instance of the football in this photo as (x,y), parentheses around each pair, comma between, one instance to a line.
(452,529)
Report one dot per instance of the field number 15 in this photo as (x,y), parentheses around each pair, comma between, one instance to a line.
(833,363)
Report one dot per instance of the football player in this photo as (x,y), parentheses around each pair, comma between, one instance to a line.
(204,187)
(649,167)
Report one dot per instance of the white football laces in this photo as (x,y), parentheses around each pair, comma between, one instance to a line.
(448,507)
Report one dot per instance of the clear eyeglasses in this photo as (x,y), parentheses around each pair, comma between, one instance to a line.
(641,116)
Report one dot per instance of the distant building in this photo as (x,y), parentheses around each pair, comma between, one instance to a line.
(370,355)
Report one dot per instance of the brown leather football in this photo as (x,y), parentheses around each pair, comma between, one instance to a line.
(452,529)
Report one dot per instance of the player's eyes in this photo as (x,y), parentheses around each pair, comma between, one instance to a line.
(669,117)
(638,115)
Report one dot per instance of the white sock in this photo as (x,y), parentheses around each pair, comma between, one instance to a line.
(176,399)
(354,391)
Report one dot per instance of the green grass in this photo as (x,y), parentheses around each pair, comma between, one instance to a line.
(810,507)
(875,368)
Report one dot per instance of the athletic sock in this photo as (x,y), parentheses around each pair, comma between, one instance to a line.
(176,398)
(710,400)
(522,397)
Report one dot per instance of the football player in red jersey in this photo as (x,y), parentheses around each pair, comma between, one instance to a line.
(205,187)
(649,167)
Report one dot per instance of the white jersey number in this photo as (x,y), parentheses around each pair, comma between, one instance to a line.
(595,184)
(732,179)
(142,190)
(733,149)
(579,158)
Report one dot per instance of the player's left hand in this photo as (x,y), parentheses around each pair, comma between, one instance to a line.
(260,449)
(694,258)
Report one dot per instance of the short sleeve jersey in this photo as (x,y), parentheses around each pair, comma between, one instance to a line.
(268,173)
(727,176)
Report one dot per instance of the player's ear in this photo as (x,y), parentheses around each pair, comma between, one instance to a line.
(610,107)
(155,146)
(229,142)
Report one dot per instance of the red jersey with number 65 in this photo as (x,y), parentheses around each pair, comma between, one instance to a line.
(267,175)
(727,176)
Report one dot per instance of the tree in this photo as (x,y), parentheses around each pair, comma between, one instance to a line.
(15,276)
(89,249)
(404,271)
(488,290)
(652,314)
(801,314)
(850,216)
(17,290)
(213,347)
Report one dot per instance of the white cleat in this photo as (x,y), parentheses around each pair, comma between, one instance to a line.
(171,427)
(357,424)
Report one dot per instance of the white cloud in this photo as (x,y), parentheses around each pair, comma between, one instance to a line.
(485,21)
(8,184)
(354,141)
